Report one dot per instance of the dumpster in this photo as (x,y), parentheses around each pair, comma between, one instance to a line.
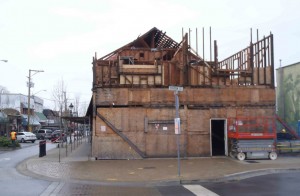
(42,146)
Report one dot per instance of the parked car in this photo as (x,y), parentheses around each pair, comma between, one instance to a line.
(56,135)
(44,134)
(50,127)
(26,136)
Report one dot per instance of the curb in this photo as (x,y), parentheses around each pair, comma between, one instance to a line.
(241,175)
(22,168)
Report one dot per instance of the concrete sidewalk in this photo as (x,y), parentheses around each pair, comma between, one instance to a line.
(77,166)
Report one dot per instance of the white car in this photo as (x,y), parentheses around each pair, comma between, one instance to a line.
(26,136)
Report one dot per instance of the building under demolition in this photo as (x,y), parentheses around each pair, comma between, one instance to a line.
(133,108)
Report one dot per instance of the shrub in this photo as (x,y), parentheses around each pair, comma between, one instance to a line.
(6,142)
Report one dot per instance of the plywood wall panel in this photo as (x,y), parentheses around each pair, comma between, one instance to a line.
(198,145)
(266,95)
(163,96)
(112,148)
(136,118)
(200,96)
(139,96)
(112,96)
(198,121)
(162,145)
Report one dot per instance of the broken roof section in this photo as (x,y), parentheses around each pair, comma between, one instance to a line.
(156,60)
(154,38)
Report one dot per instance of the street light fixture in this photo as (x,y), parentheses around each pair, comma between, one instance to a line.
(38,92)
(30,84)
(71,109)
(1,92)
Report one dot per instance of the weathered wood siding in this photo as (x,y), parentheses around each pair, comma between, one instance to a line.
(190,96)
(145,117)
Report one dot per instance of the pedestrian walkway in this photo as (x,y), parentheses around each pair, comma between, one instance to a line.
(61,164)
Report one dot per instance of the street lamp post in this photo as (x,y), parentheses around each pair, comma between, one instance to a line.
(38,92)
(30,84)
(2,90)
(71,110)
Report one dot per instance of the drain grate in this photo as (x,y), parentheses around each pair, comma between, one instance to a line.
(252,162)
(149,168)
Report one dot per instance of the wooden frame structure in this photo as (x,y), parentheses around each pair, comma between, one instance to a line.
(133,110)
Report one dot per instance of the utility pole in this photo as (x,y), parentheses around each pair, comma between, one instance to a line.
(30,84)
(2,90)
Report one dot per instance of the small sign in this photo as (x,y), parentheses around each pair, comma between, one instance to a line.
(177,125)
(165,128)
(103,128)
(175,88)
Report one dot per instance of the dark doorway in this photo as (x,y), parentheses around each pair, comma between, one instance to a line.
(218,137)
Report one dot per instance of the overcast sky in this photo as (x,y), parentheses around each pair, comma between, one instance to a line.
(62,36)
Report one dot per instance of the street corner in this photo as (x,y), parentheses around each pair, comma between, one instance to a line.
(45,169)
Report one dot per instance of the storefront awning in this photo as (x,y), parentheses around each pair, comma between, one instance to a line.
(3,117)
(33,120)
(41,116)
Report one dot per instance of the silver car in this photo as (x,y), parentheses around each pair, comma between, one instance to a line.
(43,134)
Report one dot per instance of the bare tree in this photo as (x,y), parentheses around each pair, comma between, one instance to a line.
(83,109)
(76,104)
(58,93)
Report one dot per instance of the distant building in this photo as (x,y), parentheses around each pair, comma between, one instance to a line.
(15,107)
(288,94)
(52,118)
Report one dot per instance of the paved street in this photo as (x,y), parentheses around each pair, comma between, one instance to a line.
(71,172)
(14,183)
(273,184)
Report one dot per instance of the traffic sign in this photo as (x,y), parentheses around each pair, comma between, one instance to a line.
(175,88)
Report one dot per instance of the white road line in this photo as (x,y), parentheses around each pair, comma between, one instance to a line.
(53,189)
(50,188)
(5,159)
(58,188)
(199,190)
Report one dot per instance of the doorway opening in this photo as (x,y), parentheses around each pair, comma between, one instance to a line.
(218,137)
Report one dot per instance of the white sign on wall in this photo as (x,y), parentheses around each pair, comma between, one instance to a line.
(103,128)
